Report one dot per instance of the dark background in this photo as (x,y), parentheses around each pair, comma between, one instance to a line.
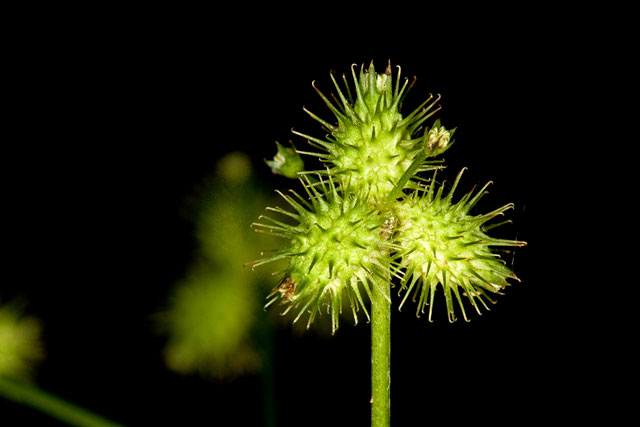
(118,125)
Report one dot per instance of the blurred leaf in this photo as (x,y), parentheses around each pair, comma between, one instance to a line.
(20,342)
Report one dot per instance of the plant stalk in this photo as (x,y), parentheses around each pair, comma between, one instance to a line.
(381,355)
(51,405)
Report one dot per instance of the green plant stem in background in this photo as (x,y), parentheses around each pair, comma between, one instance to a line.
(51,405)
(381,355)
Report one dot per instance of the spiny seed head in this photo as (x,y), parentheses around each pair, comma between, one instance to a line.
(335,249)
(355,233)
(372,143)
(445,245)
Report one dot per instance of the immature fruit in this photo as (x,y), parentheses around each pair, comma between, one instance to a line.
(366,228)
(445,245)
(337,247)
(372,143)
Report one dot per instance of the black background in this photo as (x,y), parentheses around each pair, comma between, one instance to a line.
(117,125)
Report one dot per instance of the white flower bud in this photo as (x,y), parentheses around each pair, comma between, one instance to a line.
(438,137)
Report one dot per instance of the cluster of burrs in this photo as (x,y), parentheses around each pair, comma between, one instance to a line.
(370,216)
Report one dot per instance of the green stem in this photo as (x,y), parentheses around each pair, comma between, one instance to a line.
(381,355)
(51,405)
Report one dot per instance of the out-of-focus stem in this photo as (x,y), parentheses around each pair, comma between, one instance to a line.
(51,405)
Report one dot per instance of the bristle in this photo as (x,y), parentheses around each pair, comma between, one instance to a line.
(301,210)
(405,92)
(457,294)
(492,226)
(263,261)
(397,86)
(414,279)
(347,106)
(477,197)
(429,194)
(278,223)
(332,186)
(346,83)
(284,212)
(422,118)
(505,242)
(271,227)
(432,292)
(308,153)
(418,115)
(303,310)
(308,188)
(409,117)
(301,199)
(359,97)
(486,217)
(327,145)
(321,121)
(341,117)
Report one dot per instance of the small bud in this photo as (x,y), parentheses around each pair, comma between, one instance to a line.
(438,137)
(381,82)
(286,162)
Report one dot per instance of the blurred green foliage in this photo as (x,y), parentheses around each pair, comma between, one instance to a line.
(214,313)
(20,342)
(210,320)
(226,206)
